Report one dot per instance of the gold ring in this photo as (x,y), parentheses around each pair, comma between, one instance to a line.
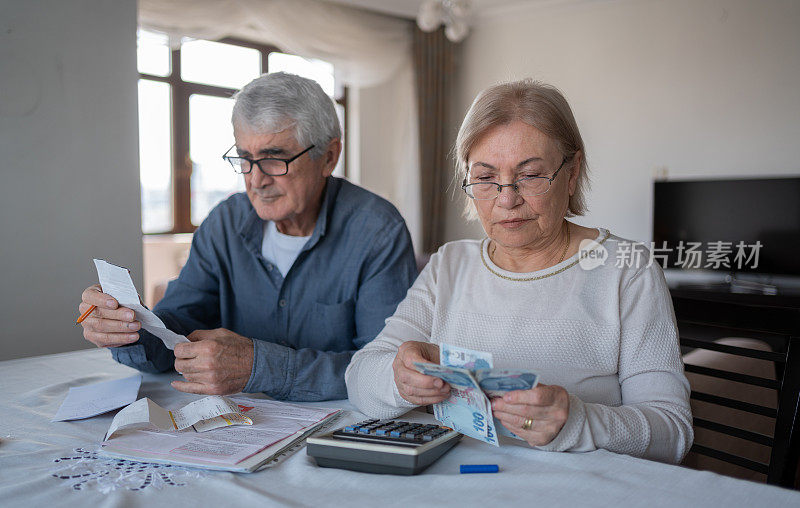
(527,424)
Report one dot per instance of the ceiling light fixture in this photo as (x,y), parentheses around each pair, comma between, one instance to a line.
(453,14)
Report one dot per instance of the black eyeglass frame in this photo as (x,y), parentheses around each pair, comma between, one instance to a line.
(257,162)
(514,185)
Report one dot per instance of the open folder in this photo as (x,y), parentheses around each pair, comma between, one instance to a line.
(277,427)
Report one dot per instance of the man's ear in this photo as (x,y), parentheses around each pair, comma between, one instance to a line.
(575,171)
(331,156)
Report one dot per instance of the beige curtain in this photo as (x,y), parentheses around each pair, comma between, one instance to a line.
(365,48)
(434,65)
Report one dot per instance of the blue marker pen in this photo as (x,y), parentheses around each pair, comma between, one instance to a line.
(479,468)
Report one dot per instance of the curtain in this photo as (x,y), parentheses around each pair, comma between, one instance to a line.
(434,65)
(365,49)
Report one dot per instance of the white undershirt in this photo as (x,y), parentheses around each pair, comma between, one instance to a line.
(279,249)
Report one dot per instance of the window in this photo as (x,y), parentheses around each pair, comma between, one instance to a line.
(184,121)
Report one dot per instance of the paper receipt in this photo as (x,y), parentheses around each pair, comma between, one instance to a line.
(116,281)
(204,414)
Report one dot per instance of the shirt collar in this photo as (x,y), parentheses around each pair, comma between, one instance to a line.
(252,230)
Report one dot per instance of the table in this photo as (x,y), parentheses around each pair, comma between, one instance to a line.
(33,388)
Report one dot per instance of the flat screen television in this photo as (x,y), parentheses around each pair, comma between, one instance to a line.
(745,212)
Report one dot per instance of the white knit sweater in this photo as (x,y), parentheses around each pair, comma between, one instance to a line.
(607,335)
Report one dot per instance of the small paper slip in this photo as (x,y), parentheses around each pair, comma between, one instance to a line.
(116,281)
(98,398)
(204,414)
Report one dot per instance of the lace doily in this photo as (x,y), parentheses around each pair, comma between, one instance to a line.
(86,470)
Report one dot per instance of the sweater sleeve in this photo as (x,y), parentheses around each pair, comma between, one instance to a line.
(654,420)
(370,377)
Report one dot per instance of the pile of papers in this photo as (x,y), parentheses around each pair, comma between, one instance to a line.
(242,447)
(229,433)
(205,414)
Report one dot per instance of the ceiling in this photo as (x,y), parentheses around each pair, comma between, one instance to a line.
(408,8)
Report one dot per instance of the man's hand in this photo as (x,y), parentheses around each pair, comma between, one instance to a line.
(109,325)
(215,362)
(547,406)
(415,387)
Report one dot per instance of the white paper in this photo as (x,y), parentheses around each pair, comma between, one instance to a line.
(272,422)
(116,281)
(92,400)
(204,414)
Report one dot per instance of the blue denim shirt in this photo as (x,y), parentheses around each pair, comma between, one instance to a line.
(349,277)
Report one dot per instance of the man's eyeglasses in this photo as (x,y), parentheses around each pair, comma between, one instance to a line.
(270,166)
(528,186)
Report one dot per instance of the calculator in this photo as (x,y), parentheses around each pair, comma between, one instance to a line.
(383,446)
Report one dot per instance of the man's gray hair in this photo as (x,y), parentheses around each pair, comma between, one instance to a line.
(279,100)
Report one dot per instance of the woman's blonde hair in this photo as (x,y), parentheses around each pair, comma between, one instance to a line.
(537,104)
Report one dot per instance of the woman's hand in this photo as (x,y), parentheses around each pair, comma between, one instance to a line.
(547,406)
(418,388)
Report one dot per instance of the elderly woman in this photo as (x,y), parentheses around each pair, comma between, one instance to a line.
(536,295)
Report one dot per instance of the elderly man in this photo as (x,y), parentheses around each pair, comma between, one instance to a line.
(284,282)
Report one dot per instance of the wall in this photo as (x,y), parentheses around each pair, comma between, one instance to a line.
(163,257)
(68,160)
(703,88)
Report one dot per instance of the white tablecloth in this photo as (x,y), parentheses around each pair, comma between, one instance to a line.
(33,449)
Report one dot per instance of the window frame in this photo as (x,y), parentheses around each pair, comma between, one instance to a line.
(181,163)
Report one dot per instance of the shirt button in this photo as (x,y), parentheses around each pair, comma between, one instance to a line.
(282,303)
(269,267)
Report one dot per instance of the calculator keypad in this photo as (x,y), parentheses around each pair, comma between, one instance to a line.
(392,432)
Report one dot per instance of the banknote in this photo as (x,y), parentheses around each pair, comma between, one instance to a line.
(493,383)
(467,410)
(455,356)
(454,376)
(496,382)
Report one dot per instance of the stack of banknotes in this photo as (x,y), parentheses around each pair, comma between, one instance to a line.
(473,382)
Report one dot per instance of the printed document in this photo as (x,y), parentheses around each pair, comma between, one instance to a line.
(273,421)
(116,281)
(98,398)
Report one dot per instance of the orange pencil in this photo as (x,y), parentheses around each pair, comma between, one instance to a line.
(85,314)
